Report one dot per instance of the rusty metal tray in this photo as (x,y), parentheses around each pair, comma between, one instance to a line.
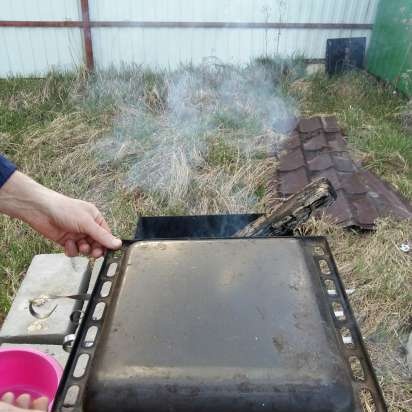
(219,325)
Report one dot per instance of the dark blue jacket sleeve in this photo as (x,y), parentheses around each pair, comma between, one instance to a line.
(7,168)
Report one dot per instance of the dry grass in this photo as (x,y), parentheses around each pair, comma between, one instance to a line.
(375,119)
(380,273)
(373,116)
(134,143)
(57,156)
(85,138)
(192,141)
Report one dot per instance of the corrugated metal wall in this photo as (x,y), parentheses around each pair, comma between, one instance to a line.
(34,51)
(29,51)
(296,11)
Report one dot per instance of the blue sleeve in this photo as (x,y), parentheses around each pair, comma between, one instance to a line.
(7,168)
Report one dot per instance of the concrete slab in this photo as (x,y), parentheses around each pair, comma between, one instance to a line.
(48,274)
(53,350)
(93,278)
(409,353)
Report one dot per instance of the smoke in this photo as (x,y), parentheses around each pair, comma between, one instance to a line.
(195,140)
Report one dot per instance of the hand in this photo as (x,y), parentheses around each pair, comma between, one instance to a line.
(23,403)
(74,224)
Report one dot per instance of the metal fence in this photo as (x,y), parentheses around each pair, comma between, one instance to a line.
(38,35)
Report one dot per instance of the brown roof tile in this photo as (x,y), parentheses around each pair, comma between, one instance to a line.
(336,142)
(332,176)
(291,160)
(340,210)
(343,163)
(291,182)
(364,211)
(386,200)
(309,125)
(322,161)
(352,183)
(330,124)
(316,143)
(317,148)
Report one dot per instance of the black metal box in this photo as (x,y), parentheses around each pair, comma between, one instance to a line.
(191,227)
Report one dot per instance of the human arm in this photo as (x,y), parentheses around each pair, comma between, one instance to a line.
(76,225)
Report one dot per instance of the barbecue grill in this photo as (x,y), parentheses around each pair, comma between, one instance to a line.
(187,318)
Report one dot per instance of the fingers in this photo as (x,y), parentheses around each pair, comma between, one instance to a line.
(8,397)
(86,246)
(24,402)
(41,404)
(97,250)
(70,248)
(85,232)
(102,222)
(101,235)
(83,246)
(89,247)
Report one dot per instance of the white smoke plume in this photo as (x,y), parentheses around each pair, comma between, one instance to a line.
(196,139)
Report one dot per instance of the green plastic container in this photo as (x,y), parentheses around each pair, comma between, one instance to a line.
(390,51)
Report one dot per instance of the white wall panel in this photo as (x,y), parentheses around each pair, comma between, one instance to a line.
(164,47)
(39,10)
(292,11)
(35,51)
(168,47)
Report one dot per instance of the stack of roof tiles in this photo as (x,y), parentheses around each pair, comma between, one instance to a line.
(317,148)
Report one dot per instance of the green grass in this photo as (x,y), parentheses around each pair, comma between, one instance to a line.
(42,129)
(369,113)
(25,102)
(51,127)
(46,123)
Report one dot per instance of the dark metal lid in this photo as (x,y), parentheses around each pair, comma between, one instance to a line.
(224,324)
(219,325)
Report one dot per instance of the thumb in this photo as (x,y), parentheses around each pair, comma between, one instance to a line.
(102,236)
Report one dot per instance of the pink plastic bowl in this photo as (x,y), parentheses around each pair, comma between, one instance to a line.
(29,371)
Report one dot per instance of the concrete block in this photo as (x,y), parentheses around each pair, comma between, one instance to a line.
(51,274)
(53,350)
(93,278)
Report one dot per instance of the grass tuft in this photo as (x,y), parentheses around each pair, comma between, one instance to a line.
(137,141)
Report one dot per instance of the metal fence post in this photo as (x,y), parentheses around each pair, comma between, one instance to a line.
(87,35)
